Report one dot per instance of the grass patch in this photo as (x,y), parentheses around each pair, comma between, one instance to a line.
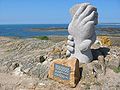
(116,70)
(42,37)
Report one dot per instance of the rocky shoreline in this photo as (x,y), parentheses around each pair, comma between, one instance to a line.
(24,64)
(49,29)
(102,30)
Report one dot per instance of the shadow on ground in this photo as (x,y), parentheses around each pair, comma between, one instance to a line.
(102,51)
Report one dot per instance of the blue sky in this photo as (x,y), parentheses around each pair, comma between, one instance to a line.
(53,11)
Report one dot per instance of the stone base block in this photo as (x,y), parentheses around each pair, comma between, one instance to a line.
(65,71)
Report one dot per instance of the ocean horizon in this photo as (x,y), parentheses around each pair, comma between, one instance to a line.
(27,30)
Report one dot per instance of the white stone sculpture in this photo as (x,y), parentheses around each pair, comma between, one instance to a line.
(82,32)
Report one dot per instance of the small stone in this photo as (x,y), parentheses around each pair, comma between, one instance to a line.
(97,68)
(29,83)
(65,71)
(17,72)
(45,63)
(15,65)
(49,59)
(42,59)
(101,59)
(38,64)
(26,70)
(114,63)
(41,84)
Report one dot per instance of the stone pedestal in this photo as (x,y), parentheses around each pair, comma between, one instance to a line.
(65,71)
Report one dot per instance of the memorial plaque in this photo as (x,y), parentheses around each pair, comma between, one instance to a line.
(65,71)
(62,71)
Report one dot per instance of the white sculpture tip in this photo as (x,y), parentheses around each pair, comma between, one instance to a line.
(75,7)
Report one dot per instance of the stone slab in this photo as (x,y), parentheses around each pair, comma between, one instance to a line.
(65,71)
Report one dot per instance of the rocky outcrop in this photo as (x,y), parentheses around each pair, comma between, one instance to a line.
(26,62)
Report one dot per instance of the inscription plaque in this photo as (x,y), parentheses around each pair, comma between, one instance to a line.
(65,71)
(62,71)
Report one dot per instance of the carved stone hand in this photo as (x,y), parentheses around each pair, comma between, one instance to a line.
(82,32)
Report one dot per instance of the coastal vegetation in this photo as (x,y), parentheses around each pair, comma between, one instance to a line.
(116,69)
(41,37)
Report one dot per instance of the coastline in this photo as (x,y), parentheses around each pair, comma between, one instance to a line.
(48,29)
(31,30)
(115,39)
(27,60)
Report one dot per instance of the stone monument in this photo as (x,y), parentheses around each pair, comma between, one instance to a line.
(65,71)
(82,36)
(82,32)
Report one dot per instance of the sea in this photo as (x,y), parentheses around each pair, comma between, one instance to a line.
(25,30)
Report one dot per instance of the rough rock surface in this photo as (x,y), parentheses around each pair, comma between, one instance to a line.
(22,69)
(70,66)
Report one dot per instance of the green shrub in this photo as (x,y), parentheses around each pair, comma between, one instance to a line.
(42,37)
(116,70)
